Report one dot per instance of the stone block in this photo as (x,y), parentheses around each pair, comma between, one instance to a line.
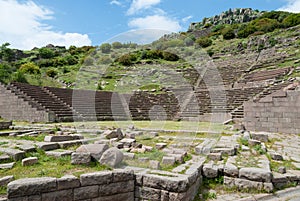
(118,197)
(147,193)
(231,170)
(29,161)
(116,188)
(14,153)
(86,192)
(254,142)
(246,184)
(7,166)
(122,175)
(64,195)
(67,182)
(153,164)
(80,158)
(160,146)
(263,137)
(168,160)
(31,186)
(210,170)
(215,156)
(256,174)
(5,180)
(174,184)
(61,138)
(59,154)
(229,151)
(96,178)
(47,146)
(129,156)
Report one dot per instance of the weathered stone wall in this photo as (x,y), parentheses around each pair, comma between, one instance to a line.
(278,112)
(109,186)
(14,108)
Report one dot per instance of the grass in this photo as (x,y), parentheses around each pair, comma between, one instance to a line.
(50,166)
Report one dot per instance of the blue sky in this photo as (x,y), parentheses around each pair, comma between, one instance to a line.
(30,23)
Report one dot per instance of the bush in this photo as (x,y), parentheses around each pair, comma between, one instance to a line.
(117,45)
(5,73)
(292,20)
(266,25)
(46,53)
(228,33)
(19,77)
(276,15)
(105,48)
(170,56)
(30,68)
(204,42)
(51,73)
(126,60)
(245,31)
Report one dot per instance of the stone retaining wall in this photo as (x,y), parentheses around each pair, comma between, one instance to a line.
(5,125)
(109,186)
(14,108)
(278,112)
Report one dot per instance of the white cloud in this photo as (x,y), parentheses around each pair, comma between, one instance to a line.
(291,6)
(115,2)
(186,19)
(138,5)
(142,36)
(21,24)
(155,22)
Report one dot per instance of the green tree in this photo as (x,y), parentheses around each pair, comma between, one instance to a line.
(105,48)
(6,54)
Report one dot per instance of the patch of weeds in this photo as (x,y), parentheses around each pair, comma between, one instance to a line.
(39,138)
(243,141)
(209,195)
(274,165)
(3,190)
(188,157)
(212,183)
(3,143)
(259,149)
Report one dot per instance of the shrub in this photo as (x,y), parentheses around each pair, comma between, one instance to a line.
(71,60)
(5,73)
(276,15)
(105,47)
(245,31)
(51,73)
(126,59)
(228,33)
(204,42)
(170,56)
(266,25)
(19,77)
(30,68)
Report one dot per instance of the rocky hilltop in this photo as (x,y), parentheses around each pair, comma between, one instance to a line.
(231,16)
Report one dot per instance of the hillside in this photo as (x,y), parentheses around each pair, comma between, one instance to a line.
(239,42)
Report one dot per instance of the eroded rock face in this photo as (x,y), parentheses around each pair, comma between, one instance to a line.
(112,157)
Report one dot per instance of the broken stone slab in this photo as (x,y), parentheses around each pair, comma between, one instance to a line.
(112,157)
(30,186)
(59,154)
(160,146)
(127,142)
(148,148)
(205,146)
(260,137)
(229,151)
(7,166)
(138,150)
(215,156)
(61,138)
(14,153)
(245,148)
(5,180)
(47,146)
(95,150)
(80,158)
(4,158)
(168,160)
(255,174)
(27,147)
(210,170)
(29,161)
(178,157)
(279,180)
(66,144)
